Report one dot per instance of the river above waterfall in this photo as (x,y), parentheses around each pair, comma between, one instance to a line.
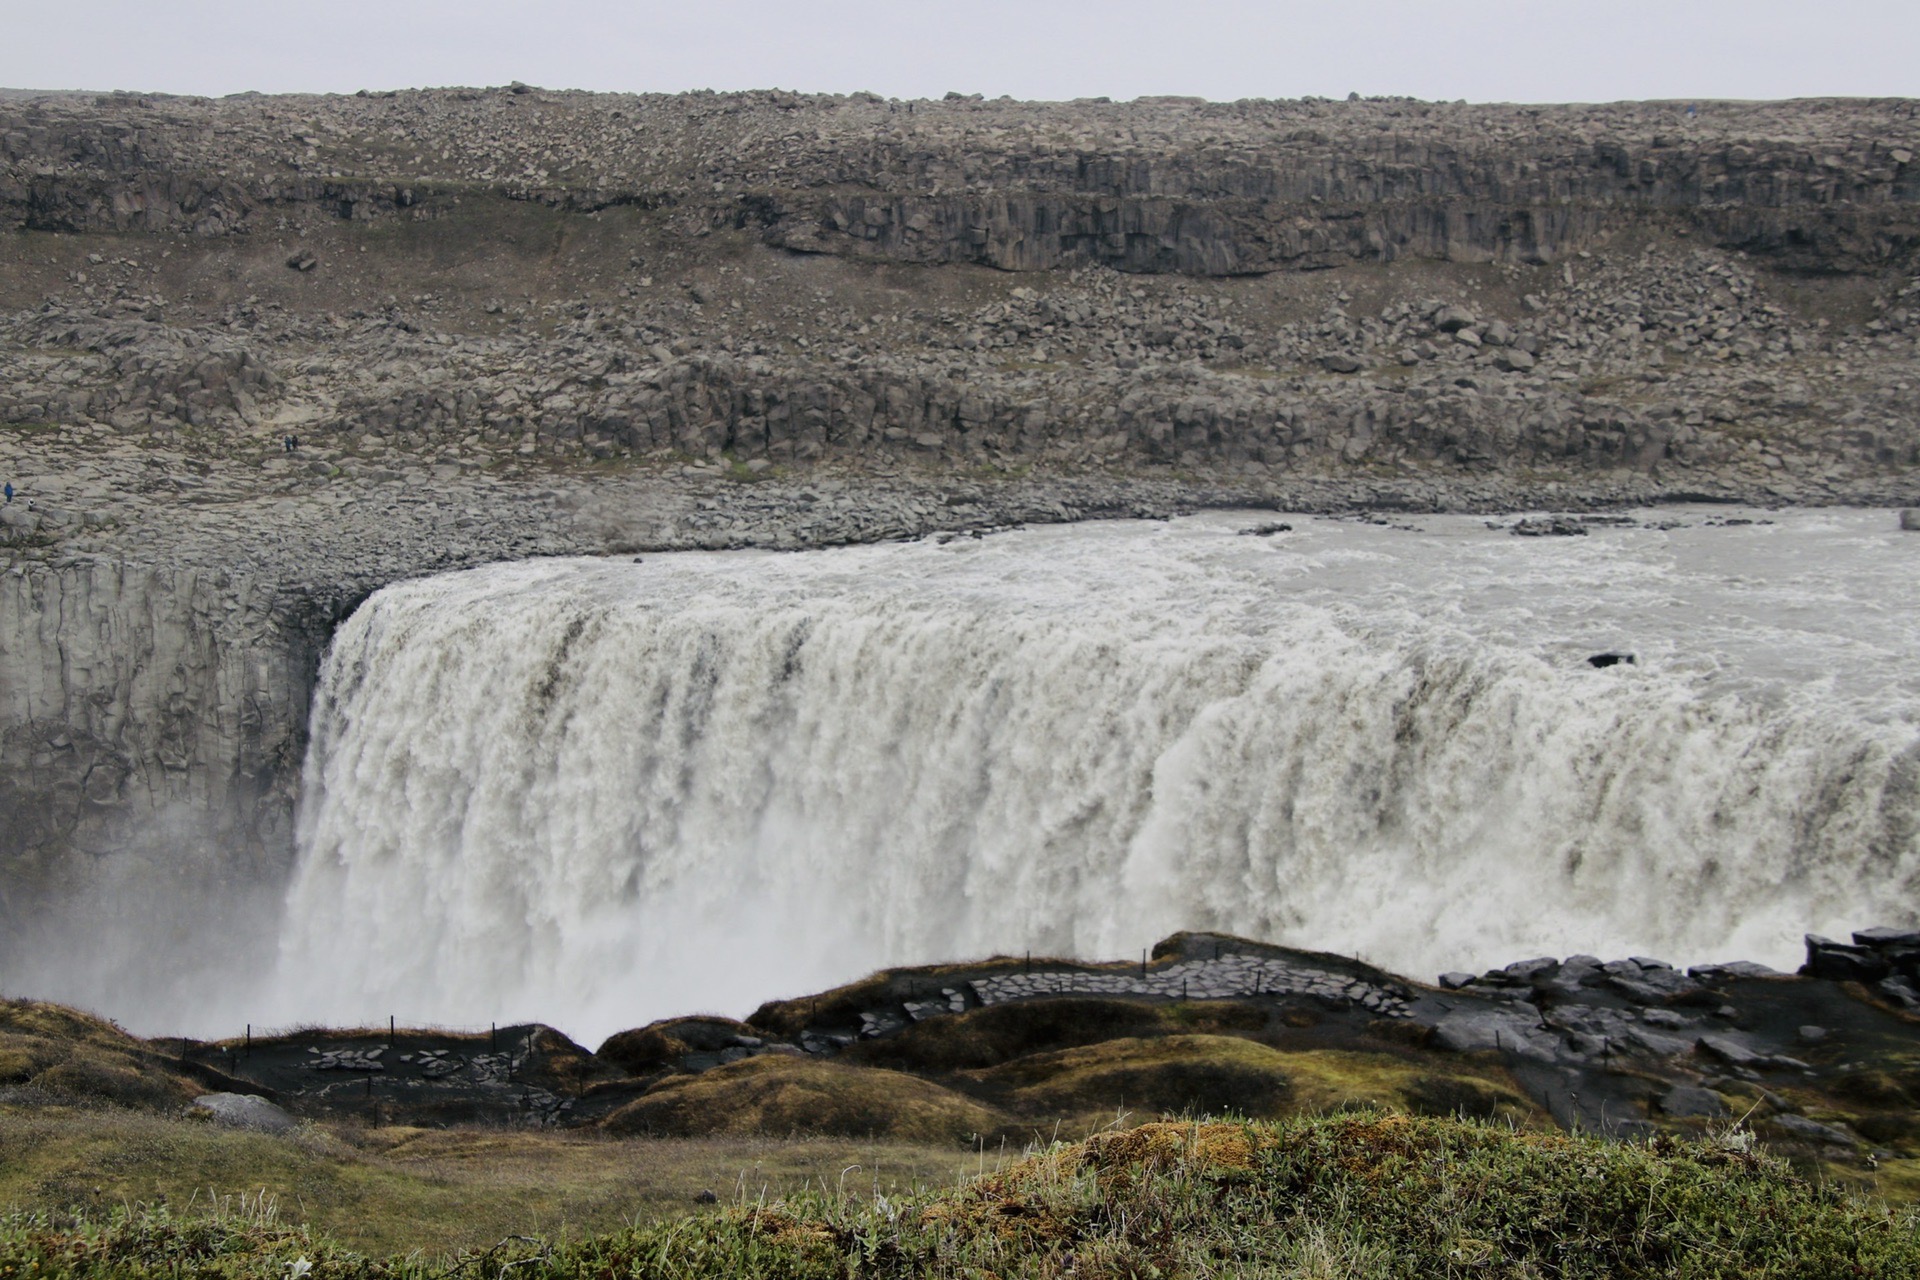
(596,792)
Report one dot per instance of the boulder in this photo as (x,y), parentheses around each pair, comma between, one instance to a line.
(1811,1130)
(1729,969)
(1653,986)
(1523,970)
(1731,1051)
(1838,962)
(1882,938)
(1549,526)
(1910,519)
(1900,992)
(244,1111)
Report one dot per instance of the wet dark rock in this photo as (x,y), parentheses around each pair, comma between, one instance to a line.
(1691,1101)
(1610,659)
(1882,938)
(1550,527)
(1838,962)
(1722,972)
(1731,1051)
(1653,986)
(1811,1130)
(245,1111)
(1901,992)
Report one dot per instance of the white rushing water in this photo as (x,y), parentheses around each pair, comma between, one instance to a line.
(598,792)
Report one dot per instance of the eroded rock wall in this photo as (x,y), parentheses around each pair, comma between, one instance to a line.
(151,726)
(1153,185)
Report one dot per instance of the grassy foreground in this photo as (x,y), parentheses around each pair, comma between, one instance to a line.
(396,1190)
(1354,1195)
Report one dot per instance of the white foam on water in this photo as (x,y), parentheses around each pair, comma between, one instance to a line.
(597,792)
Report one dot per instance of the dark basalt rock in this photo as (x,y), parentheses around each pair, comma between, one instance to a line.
(1627,1047)
(1882,938)
(1550,527)
(1685,1101)
(1838,962)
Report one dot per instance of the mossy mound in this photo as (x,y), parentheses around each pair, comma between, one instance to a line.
(1196,1075)
(649,1048)
(51,1053)
(1212,1075)
(556,1062)
(779,1095)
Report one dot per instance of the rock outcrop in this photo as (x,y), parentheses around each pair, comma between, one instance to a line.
(1152,185)
(1816,1064)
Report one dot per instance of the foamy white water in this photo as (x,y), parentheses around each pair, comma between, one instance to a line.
(598,792)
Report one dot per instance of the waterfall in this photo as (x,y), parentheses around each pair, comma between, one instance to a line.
(598,792)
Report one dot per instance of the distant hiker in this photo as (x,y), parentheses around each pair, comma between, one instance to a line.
(9,491)
(286,443)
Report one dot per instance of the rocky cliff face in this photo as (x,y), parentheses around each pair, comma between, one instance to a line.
(151,719)
(261,355)
(1152,185)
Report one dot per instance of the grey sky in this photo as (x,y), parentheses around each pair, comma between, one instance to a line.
(1520,50)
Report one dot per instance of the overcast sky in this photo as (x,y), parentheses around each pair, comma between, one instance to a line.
(1518,50)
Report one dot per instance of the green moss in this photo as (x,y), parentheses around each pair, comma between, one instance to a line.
(1363,1195)
(1218,1075)
(777,1095)
(64,1055)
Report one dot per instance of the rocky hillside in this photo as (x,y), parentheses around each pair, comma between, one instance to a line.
(1718,296)
(259,356)
(1822,1065)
